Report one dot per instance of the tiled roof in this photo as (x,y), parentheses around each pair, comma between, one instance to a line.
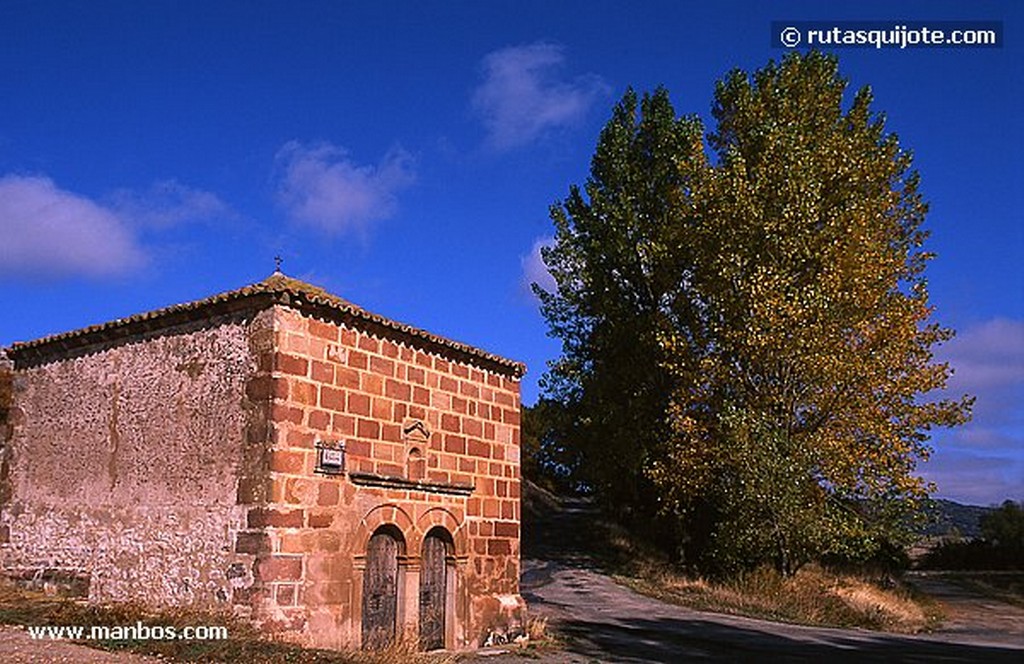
(278,288)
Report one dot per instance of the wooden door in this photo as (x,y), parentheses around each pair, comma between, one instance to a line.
(380,591)
(433,585)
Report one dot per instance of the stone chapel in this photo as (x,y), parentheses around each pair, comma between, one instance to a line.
(337,477)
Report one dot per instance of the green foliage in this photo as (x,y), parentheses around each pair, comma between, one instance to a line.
(977,554)
(545,460)
(1005,526)
(617,269)
(746,341)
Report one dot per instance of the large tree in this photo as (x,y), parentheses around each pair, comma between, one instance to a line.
(747,337)
(616,273)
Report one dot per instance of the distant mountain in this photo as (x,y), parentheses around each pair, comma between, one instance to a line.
(950,516)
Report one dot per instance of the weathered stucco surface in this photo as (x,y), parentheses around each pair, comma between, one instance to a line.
(124,464)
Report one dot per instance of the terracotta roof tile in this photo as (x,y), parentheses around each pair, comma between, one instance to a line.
(277,288)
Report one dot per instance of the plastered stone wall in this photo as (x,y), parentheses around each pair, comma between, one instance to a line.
(126,464)
(331,383)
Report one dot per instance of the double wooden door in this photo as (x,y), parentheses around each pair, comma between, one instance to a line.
(380,591)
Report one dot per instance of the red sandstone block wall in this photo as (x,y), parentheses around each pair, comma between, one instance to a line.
(330,382)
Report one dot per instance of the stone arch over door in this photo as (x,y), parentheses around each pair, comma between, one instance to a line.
(437,587)
(382,587)
(386,514)
(447,519)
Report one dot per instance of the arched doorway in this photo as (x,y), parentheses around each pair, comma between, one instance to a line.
(434,581)
(380,588)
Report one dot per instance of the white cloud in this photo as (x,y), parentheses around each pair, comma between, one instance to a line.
(49,232)
(534,269)
(988,362)
(989,355)
(169,203)
(522,97)
(975,478)
(983,461)
(321,186)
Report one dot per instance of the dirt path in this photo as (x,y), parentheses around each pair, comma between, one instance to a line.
(18,647)
(971,615)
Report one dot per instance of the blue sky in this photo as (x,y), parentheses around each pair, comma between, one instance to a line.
(404,155)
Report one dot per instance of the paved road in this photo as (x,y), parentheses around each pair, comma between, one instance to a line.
(609,623)
(604,622)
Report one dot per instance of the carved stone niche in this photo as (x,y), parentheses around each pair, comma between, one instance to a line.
(417,444)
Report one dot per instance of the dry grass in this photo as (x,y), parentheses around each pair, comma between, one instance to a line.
(813,596)
(891,610)
(537,630)
(245,644)
(403,651)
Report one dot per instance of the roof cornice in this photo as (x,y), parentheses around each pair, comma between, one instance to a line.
(277,289)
